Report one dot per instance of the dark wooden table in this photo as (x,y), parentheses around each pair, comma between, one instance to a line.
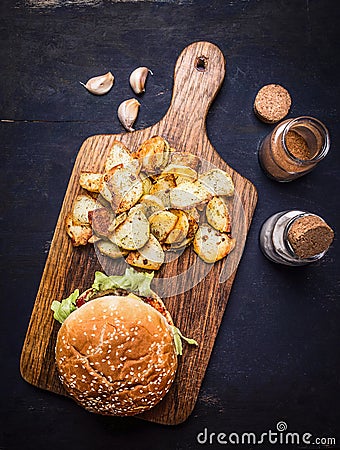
(276,357)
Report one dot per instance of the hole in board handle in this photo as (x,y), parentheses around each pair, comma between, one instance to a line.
(201,63)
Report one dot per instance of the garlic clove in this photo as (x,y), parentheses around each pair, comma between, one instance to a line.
(100,85)
(128,112)
(138,79)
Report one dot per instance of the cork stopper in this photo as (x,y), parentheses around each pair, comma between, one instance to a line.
(309,236)
(272,103)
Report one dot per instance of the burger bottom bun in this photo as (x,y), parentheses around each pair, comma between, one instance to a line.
(115,355)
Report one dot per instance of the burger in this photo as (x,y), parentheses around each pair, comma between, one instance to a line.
(117,348)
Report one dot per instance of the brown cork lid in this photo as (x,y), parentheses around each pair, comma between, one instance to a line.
(309,236)
(272,103)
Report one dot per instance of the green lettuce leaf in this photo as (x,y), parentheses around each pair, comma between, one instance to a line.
(178,336)
(64,308)
(132,281)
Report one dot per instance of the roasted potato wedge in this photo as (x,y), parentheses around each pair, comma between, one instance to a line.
(134,232)
(162,223)
(217,182)
(181,173)
(79,234)
(217,215)
(152,204)
(101,220)
(125,187)
(180,231)
(150,257)
(185,159)
(193,227)
(92,182)
(188,195)
(163,182)
(121,155)
(162,188)
(211,245)
(147,184)
(81,207)
(153,154)
(108,248)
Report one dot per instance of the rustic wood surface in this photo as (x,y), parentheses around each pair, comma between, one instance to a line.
(197,312)
(276,355)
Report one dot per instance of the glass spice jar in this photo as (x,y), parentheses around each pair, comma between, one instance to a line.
(295,238)
(294,148)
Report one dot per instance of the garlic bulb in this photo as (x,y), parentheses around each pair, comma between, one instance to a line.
(138,79)
(100,85)
(128,112)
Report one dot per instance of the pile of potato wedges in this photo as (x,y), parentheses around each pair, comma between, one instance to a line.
(151,201)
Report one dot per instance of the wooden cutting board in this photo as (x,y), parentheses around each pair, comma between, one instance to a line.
(199,73)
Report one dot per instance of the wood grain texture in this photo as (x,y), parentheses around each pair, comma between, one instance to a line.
(198,312)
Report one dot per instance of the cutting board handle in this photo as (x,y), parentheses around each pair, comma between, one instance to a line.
(199,73)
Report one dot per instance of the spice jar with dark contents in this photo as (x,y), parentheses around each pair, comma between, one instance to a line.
(294,148)
(295,238)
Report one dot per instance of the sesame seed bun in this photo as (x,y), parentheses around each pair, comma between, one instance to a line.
(272,103)
(116,356)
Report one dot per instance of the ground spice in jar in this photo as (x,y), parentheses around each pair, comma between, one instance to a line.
(309,236)
(293,148)
(298,146)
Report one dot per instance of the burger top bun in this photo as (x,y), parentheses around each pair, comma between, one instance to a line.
(115,355)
